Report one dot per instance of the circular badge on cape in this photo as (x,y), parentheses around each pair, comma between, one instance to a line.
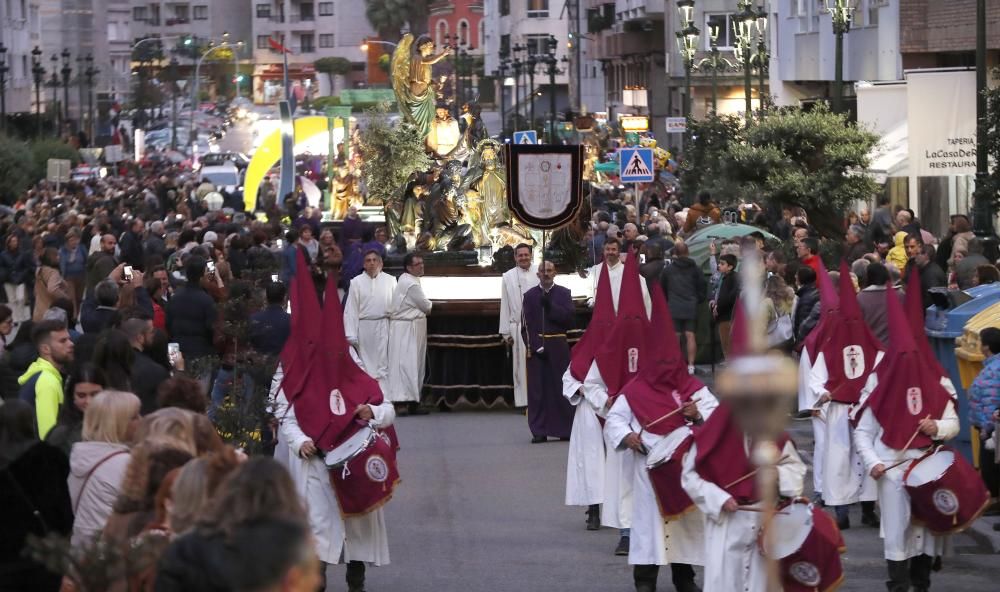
(946,502)
(376,468)
(805,573)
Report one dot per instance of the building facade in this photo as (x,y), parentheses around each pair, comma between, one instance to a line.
(20,31)
(460,24)
(311,30)
(521,30)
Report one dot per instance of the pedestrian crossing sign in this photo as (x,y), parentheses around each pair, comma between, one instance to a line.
(526,137)
(635,165)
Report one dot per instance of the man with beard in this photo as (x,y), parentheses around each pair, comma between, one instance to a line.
(366,317)
(42,383)
(515,282)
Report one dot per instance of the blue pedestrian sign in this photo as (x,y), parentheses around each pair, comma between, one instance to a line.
(635,165)
(526,137)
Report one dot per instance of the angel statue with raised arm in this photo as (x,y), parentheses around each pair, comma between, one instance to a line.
(413,79)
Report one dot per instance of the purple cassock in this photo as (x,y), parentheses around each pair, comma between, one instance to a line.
(547,317)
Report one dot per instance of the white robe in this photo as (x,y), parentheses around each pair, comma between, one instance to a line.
(366,323)
(654,541)
(903,539)
(615,274)
(732,557)
(337,540)
(516,282)
(618,466)
(807,400)
(845,480)
(407,340)
(585,464)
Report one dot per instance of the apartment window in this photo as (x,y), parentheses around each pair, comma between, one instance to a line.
(307,11)
(262,42)
(538,8)
(326,40)
(263,11)
(201,13)
(724,24)
(326,8)
(536,44)
(181,12)
(504,7)
(307,43)
(505,45)
(139,13)
(441,33)
(463,33)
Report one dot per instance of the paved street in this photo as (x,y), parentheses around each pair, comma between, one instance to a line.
(480,509)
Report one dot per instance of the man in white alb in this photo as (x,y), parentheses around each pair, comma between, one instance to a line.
(408,336)
(516,282)
(366,318)
(614,261)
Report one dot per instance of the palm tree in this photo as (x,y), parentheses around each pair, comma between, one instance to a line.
(388,17)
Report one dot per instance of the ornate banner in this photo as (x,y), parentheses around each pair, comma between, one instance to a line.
(544,184)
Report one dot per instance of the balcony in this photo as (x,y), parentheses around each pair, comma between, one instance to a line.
(302,18)
(177,21)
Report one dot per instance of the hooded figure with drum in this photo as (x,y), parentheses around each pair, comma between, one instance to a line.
(335,434)
(652,421)
(925,490)
(844,354)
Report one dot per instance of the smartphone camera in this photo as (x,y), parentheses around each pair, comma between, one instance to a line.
(274,278)
(173,349)
(128,273)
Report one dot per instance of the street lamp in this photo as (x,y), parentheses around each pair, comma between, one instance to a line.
(687,45)
(841,13)
(173,104)
(90,72)
(38,73)
(744,25)
(66,71)
(521,67)
(551,61)
(4,68)
(197,80)
(982,212)
(715,63)
(762,57)
(54,83)
(532,63)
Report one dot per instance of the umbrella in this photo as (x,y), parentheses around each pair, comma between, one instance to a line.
(699,241)
(313,194)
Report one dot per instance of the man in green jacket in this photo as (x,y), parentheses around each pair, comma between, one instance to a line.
(42,384)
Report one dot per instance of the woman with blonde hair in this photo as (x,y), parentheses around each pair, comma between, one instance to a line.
(779,302)
(196,484)
(98,462)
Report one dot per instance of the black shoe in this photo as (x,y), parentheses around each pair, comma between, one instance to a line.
(416,409)
(996,526)
(843,522)
(539,439)
(355,576)
(594,517)
(870,519)
(622,548)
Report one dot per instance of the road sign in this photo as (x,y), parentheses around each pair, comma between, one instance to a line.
(676,125)
(58,170)
(526,137)
(635,165)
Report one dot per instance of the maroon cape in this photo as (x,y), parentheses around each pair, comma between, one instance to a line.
(601,324)
(620,355)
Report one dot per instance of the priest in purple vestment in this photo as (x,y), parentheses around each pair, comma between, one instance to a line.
(548,314)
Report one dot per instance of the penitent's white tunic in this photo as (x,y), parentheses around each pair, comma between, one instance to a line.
(902,538)
(338,540)
(618,466)
(407,340)
(615,274)
(845,480)
(654,541)
(807,400)
(366,323)
(585,464)
(516,282)
(732,558)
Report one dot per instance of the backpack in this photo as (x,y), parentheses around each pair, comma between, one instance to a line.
(27,391)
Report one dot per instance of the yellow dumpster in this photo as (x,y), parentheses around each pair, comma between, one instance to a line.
(970,358)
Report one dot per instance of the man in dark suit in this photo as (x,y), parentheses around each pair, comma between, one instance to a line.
(147,375)
(269,328)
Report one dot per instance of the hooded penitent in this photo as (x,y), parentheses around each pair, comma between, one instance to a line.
(909,389)
(619,355)
(914,304)
(662,386)
(329,390)
(848,346)
(601,324)
(829,304)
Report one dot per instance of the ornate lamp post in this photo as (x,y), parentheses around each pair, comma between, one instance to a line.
(38,74)
(982,213)
(841,13)
(521,78)
(715,63)
(763,56)
(687,45)
(501,74)
(90,72)
(4,68)
(551,62)
(744,25)
(54,83)
(532,63)
(66,71)
(173,103)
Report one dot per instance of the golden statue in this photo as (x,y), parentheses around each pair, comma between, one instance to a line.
(413,80)
(344,192)
(483,199)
